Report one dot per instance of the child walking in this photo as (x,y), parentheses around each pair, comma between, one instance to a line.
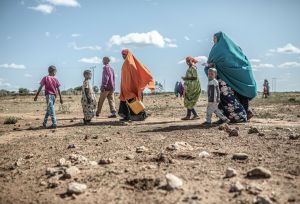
(51,89)
(213,93)
(88,100)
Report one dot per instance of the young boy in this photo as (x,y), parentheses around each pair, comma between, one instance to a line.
(107,89)
(213,93)
(51,89)
(88,100)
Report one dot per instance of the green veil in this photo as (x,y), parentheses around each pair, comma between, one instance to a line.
(233,66)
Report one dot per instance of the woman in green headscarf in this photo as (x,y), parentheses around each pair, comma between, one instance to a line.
(192,89)
(235,76)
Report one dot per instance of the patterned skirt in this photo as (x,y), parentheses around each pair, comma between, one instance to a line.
(88,108)
(230,105)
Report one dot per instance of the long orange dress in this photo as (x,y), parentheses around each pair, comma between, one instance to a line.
(134,79)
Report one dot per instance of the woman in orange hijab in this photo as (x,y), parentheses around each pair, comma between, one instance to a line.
(135,78)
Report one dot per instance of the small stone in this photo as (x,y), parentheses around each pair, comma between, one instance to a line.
(75,159)
(71,146)
(93,163)
(29,156)
(263,200)
(204,154)
(253,130)
(141,149)
(43,183)
(259,172)
(261,134)
(230,172)
(180,146)
(19,162)
(76,188)
(71,121)
(106,161)
(173,182)
(71,172)
(234,133)
(95,137)
(253,189)
(52,171)
(62,162)
(236,187)
(129,157)
(294,136)
(240,156)
(291,199)
(53,183)
(107,139)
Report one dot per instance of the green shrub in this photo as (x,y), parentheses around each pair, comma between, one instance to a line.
(11,120)
(292,99)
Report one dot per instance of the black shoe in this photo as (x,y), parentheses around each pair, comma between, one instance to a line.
(125,120)
(112,116)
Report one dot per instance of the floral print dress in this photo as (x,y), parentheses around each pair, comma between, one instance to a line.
(88,108)
(230,105)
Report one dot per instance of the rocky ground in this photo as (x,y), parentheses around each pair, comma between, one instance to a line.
(160,160)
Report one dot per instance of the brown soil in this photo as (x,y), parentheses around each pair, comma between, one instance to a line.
(27,150)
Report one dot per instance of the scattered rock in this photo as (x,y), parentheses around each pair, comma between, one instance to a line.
(253,189)
(93,163)
(225,127)
(180,146)
(191,199)
(76,159)
(43,183)
(234,133)
(163,158)
(71,172)
(263,200)
(236,187)
(106,161)
(253,130)
(62,162)
(52,171)
(204,154)
(29,156)
(173,182)
(71,121)
(261,134)
(230,172)
(240,156)
(291,199)
(95,137)
(294,136)
(19,162)
(129,157)
(71,146)
(107,139)
(141,149)
(259,172)
(53,183)
(76,188)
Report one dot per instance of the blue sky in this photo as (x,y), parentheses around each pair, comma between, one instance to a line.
(75,34)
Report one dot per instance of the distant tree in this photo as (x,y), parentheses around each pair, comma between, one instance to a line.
(78,88)
(23,91)
(158,86)
(96,89)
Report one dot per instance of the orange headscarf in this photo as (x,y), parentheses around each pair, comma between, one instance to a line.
(135,78)
(191,59)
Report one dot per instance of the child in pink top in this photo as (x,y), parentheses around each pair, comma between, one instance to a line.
(51,89)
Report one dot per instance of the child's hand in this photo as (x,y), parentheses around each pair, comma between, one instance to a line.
(35,98)
(61,101)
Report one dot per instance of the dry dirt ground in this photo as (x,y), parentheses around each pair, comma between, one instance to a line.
(126,176)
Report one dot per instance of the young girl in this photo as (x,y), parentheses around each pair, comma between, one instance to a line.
(192,89)
(51,85)
(88,100)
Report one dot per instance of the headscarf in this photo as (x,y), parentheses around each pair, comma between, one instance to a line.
(191,59)
(233,66)
(135,78)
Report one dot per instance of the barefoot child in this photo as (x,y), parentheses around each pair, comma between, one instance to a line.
(213,93)
(51,89)
(88,100)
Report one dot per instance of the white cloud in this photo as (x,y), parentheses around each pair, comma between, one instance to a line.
(152,38)
(70,3)
(27,75)
(13,66)
(44,8)
(201,59)
(255,60)
(186,38)
(289,65)
(47,34)
(263,65)
(75,35)
(91,60)
(288,48)
(75,47)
